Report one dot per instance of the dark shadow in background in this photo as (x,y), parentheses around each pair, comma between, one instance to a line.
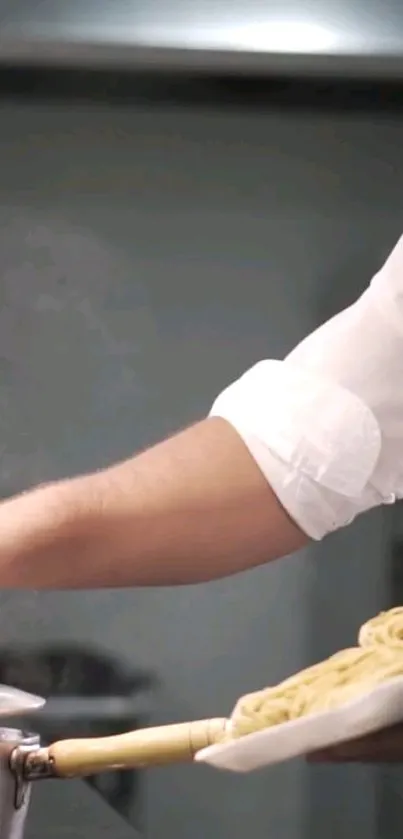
(67,675)
(221,91)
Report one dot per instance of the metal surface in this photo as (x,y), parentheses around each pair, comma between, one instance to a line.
(336,37)
(28,763)
(14,790)
(23,750)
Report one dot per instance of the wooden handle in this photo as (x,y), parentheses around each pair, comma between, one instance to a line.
(146,747)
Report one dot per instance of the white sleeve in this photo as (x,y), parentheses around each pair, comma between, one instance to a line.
(325,425)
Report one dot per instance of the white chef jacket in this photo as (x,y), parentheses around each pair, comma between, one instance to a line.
(325,424)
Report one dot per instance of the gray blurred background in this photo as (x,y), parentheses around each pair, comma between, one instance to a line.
(156,240)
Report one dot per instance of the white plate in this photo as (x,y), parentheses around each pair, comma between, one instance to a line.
(372,711)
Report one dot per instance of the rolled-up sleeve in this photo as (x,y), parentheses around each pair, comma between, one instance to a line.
(315,442)
(325,425)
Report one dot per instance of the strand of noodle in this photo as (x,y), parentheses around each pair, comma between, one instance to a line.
(325,685)
(384,629)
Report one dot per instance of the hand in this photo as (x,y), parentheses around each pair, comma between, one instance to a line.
(384,746)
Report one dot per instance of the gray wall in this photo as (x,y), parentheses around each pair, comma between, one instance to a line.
(148,255)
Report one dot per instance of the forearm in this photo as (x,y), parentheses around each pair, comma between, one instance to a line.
(318,441)
(193,508)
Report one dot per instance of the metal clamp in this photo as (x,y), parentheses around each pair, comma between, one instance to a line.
(24,767)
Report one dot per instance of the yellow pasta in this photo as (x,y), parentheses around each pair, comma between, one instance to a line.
(330,683)
(386,629)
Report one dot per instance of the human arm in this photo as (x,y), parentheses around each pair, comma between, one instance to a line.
(195,507)
(293,450)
